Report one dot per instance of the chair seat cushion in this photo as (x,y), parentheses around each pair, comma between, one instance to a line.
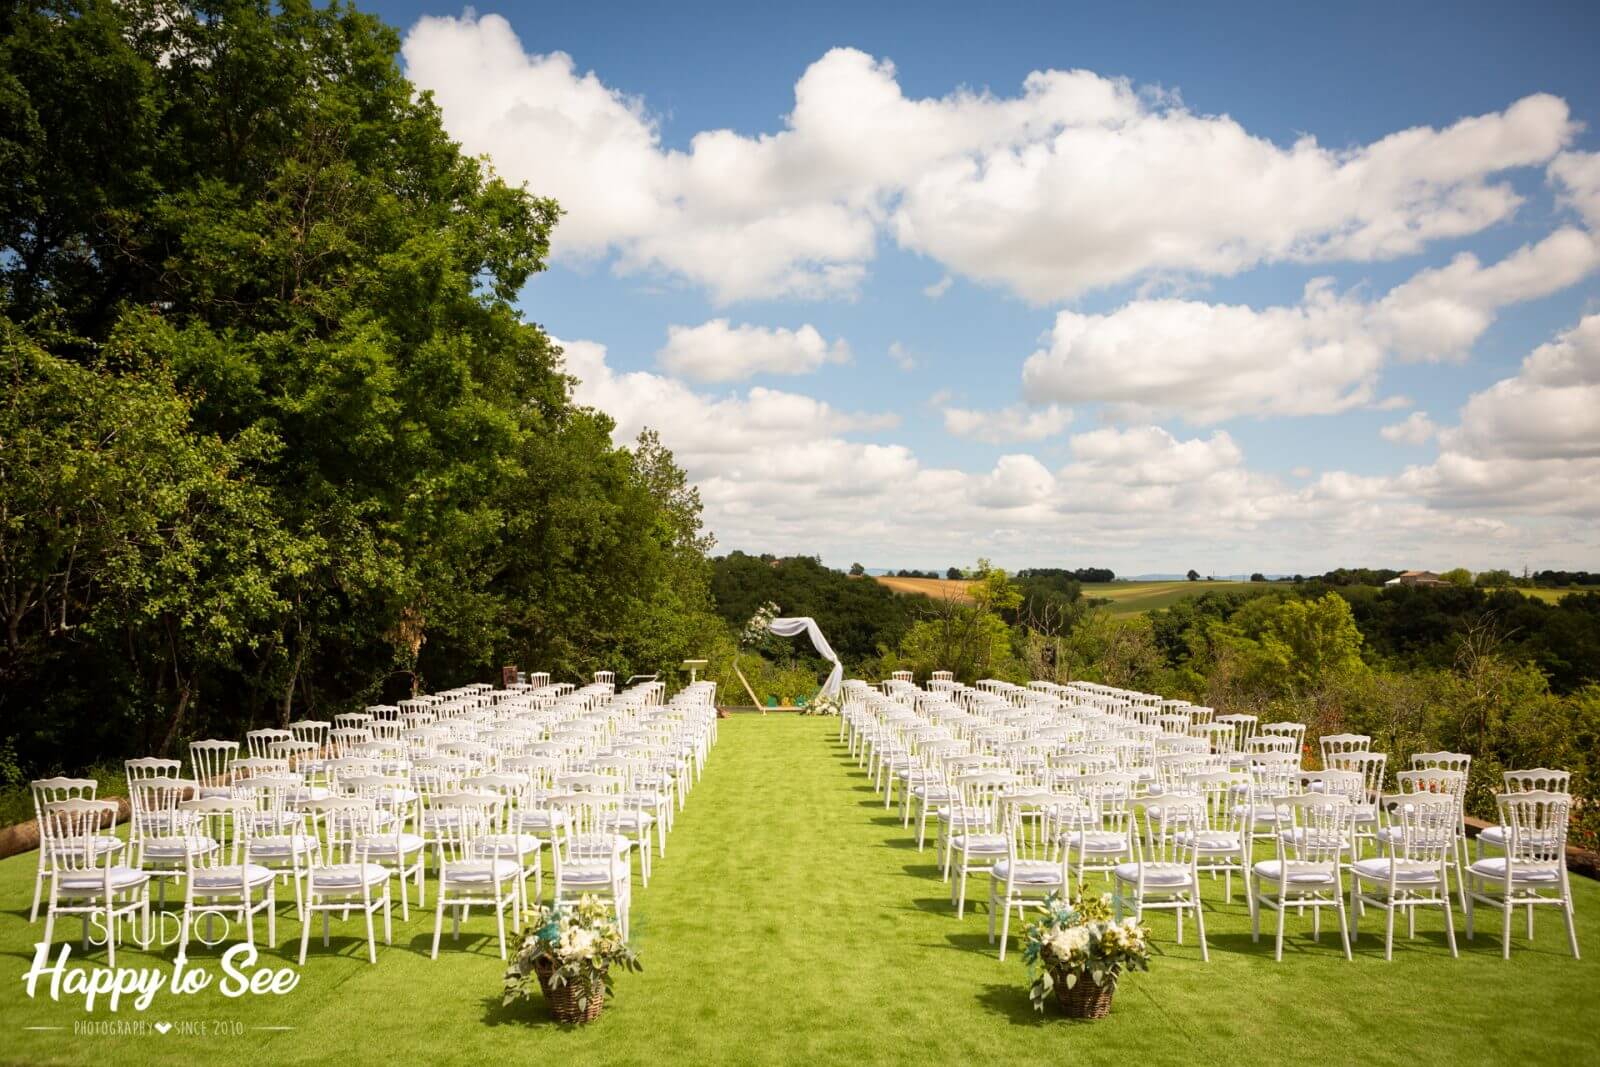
(1270,870)
(541,820)
(481,872)
(1029,872)
(280,846)
(1098,841)
(102,845)
(586,874)
(1211,840)
(509,844)
(229,879)
(175,848)
(1494,869)
(1493,835)
(633,821)
(92,883)
(392,845)
(986,843)
(348,877)
(1376,869)
(1158,875)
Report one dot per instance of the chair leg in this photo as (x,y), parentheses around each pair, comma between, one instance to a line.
(388,921)
(372,945)
(438,922)
(1200,926)
(1005,927)
(1388,932)
(500,921)
(1278,952)
(1572,930)
(1344,925)
(305,936)
(1505,930)
(1449,918)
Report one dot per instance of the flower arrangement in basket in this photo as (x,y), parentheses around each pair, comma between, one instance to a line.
(1078,952)
(568,954)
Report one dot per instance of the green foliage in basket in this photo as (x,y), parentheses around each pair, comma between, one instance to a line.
(1071,941)
(581,943)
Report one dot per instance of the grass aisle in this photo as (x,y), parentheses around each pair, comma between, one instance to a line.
(793,921)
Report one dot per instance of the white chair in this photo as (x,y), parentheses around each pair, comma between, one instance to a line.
(1034,867)
(1421,841)
(505,838)
(591,856)
(343,878)
(1533,871)
(1164,874)
(48,791)
(1107,841)
(976,841)
(84,879)
(388,843)
(276,836)
(216,879)
(158,833)
(468,874)
(210,759)
(1536,779)
(1221,840)
(1311,845)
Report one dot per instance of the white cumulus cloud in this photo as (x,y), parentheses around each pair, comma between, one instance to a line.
(1414,429)
(717,351)
(1066,186)
(1015,423)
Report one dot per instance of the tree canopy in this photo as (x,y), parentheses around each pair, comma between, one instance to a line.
(276,437)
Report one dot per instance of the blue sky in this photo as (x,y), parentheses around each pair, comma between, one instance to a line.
(859,283)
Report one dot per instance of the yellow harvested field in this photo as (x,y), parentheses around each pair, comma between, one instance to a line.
(944,589)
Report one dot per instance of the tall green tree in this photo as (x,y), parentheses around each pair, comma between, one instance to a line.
(244,210)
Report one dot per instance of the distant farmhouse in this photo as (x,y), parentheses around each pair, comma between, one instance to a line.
(1417,578)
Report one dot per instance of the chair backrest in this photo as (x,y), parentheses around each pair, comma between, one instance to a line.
(466,817)
(68,830)
(1422,826)
(1538,779)
(210,759)
(1435,781)
(1160,842)
(1370,765)
(1347,784)
(1442,761)
(342,829)
(259,742)
(1536,827)
(979,811)
(208,821)
(1342,744)
(1112,794)
(1032,825)
(1225,798)
(153,805)
(1295,731)
(1321,826)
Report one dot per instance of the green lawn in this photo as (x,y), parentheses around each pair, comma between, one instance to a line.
(793,921)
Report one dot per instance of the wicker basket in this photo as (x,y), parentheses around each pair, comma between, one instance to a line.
(564,1001)
(1084,1000)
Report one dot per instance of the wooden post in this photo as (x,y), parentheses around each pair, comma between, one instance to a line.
(746,682)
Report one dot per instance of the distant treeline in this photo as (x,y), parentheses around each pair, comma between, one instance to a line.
(1082,574)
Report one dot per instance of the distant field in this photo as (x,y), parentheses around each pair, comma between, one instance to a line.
(1127,598)
(1550,595)
(935,587)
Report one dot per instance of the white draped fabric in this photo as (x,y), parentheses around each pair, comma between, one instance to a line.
(807,625)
